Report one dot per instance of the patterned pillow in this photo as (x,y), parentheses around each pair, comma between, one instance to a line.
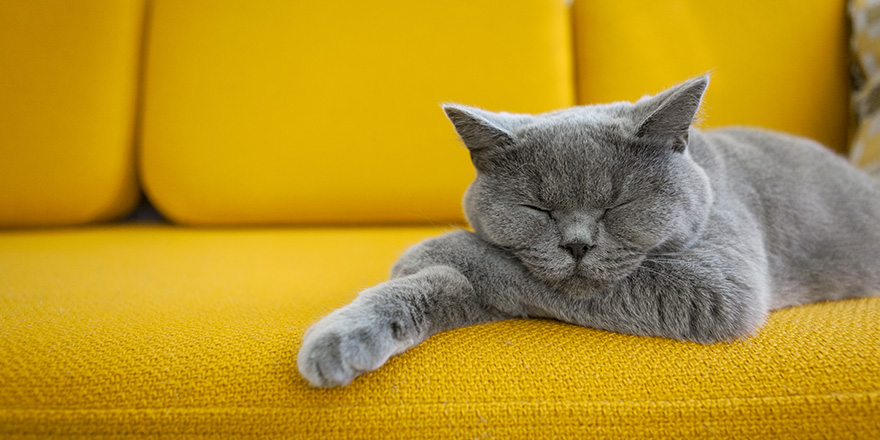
(865,149)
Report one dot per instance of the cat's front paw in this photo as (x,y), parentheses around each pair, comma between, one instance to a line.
(344,345)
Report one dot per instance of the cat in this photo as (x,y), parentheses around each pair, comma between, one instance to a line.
(622,217)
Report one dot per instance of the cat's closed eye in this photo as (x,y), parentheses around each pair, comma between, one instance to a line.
(537,209)
(620,205)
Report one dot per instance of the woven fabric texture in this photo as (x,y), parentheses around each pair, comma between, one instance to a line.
(137,332)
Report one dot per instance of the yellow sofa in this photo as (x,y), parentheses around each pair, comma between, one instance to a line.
(298,148)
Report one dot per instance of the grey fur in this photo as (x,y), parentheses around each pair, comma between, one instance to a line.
(620,217)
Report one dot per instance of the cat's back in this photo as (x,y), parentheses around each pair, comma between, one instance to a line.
(792,172)
(819,216)
(771,159)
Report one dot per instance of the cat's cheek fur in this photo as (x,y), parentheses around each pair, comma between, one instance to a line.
(548,262)
(503,223)
(690,205)
(625,228)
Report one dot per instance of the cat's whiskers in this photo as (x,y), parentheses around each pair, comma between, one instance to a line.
(662,261)
(665,275)
(666,254)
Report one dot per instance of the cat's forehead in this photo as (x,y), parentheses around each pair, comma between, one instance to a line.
(575,156)
(588,113)
(578,127)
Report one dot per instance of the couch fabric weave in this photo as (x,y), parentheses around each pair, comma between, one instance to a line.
(142,332)
(279,112)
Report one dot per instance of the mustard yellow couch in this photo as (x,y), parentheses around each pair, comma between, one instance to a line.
(297,149)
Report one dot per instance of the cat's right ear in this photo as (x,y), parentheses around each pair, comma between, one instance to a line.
(480,129)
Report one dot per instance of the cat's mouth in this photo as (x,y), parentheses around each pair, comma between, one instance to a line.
(584,277)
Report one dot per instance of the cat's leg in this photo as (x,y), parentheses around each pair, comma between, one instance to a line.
(703,296)
(432,291)
(386,320)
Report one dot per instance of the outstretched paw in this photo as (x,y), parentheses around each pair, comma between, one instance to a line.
(346,344)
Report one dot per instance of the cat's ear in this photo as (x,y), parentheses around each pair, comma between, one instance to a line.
(481,129)
(671,113)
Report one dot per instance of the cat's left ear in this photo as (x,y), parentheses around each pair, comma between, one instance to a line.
(671,114)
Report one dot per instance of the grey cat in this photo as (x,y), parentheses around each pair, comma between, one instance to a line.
(620,217)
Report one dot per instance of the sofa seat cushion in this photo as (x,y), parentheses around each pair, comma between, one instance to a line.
(153,331)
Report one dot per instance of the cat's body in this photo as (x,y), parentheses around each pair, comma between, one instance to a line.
(621,217)
(819,218)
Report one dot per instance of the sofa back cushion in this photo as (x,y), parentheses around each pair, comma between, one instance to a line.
(280,112)
(775,64)
(68,85)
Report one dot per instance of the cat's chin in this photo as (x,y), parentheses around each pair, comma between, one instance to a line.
(576,282)
(581,286)
(586,284)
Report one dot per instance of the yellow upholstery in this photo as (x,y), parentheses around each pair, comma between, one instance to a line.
(326,112)
(68,81)
(279,112)
(778,64)
(136,332)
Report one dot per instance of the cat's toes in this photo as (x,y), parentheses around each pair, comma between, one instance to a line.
(321,363)
(335,351)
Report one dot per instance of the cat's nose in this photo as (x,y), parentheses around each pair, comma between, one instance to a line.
(577,249)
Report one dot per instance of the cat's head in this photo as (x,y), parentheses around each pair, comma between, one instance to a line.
(581,195)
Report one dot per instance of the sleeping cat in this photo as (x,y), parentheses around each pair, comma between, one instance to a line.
(620,217)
